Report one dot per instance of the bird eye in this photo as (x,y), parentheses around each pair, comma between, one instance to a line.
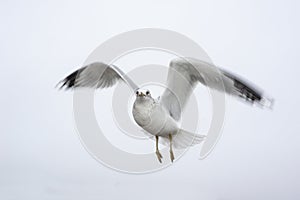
(147,93)
(137,92)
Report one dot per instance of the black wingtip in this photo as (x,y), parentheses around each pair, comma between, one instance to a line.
(69,81)
(249,92)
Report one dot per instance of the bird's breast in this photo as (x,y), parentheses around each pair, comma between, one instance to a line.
(154,119)
(141,114)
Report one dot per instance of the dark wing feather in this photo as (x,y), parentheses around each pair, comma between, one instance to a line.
(96,75)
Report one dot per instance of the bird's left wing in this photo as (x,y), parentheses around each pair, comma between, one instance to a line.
(96,75)
(185,73)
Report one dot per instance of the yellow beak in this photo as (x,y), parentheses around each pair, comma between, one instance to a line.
(142,94)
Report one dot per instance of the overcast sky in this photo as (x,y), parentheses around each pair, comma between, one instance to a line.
(41,156)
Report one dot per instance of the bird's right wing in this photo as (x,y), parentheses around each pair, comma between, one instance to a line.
(96,75)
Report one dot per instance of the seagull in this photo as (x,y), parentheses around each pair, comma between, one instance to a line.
(160,116)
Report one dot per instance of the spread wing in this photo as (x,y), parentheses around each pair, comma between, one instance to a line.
(185,73)
(96,75)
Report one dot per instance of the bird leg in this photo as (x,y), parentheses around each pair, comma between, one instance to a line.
(171,149)
(159,156)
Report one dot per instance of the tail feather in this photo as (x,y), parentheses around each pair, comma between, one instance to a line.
(183,139)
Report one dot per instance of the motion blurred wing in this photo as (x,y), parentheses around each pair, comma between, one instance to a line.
(185,73)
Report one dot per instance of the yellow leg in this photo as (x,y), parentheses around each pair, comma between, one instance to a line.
(159,156)
(171,149)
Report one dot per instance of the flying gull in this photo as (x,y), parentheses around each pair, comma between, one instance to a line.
(160,117)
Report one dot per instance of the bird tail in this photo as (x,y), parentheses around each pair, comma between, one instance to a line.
(183,139)
(248,92)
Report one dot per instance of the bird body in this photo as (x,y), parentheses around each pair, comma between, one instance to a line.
(149,114)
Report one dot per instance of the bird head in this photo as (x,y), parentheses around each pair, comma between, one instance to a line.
(143,94)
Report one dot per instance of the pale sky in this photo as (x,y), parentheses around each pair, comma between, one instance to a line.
(41,155)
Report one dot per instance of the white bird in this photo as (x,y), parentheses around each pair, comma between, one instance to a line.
(160,117)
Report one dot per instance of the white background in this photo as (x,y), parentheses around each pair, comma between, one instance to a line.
(41,156)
